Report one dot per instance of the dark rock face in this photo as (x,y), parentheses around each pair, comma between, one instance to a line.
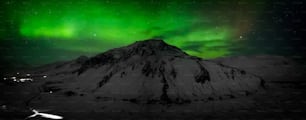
(203,76)
(105,80)
(81,59)
(96,62)
(152,71)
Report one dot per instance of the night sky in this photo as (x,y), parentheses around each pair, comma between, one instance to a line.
(35,32)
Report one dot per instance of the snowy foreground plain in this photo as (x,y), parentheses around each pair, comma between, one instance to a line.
(153,80)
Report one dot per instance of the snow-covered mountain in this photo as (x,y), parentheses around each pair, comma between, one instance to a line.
(270,68)
(149,71)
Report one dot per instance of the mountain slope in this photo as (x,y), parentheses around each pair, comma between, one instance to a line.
(271,68)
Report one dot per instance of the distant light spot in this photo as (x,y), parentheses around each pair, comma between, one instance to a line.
(3,106)
(25,79)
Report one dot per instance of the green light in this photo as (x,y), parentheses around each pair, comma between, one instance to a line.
(93,26)
(56,32)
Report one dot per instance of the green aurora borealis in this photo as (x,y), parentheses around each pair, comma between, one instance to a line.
(203,28)
(123,22)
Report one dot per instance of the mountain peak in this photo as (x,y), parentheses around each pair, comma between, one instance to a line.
(152,41)
(154,47)
(139,50)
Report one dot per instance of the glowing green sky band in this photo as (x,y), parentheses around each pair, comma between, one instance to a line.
(97,26)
